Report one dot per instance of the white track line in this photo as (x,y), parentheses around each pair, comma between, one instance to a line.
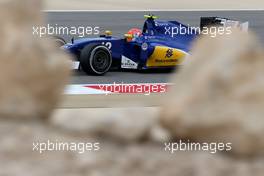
(155,10)
(99,89)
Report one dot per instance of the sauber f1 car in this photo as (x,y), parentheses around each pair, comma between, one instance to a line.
(158,45)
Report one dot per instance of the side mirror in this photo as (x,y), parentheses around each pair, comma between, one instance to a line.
(108,33)
(128,37)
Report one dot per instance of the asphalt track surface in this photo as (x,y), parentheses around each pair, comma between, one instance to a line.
(120,22)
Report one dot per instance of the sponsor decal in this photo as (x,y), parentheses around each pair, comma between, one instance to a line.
(128,63)
(164,56)
(169,53)
(144,46)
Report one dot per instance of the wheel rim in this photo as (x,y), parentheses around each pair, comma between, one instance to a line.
(101,61)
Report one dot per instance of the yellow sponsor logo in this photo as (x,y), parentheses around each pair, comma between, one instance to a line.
(164,56)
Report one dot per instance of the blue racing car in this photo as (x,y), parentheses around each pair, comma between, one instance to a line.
(160,44)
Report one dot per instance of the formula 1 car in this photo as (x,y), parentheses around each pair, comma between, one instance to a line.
(159,45)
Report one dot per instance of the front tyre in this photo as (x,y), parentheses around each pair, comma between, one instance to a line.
(59,41)
(95,59)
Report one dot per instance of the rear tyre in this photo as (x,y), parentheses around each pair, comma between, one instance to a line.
(95,59)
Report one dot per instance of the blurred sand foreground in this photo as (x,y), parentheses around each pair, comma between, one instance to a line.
(221,101)
(151,4)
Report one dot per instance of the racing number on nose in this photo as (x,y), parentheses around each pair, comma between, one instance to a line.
(107,44)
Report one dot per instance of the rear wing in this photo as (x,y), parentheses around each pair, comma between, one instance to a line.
(217,21)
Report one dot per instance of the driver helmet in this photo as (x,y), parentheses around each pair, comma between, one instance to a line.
(135,33)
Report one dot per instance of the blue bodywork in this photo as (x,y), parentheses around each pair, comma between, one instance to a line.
(155,33)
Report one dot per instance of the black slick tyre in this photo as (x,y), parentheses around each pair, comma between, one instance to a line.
(95,59)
